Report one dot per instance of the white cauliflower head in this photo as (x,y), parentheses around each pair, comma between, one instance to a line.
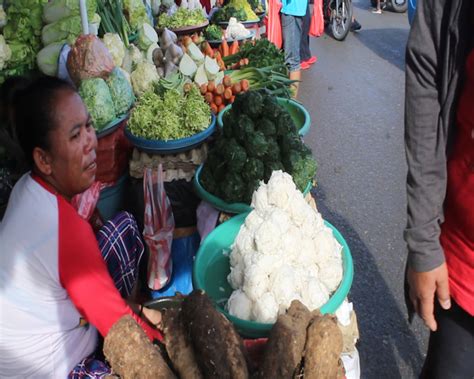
(265,309)
(239,305)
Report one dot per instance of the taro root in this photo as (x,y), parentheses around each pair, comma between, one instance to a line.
(323,349)
(131,354)
(178,345)
(218,348)
(285,346)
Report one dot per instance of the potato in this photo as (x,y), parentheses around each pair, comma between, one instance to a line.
(218,348)
(323,349)
(285,346)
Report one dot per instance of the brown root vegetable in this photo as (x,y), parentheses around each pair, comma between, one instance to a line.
(211,86)
(236,88)
(228,93)
(218,100)
(178,345)
(131,354)
(209,97)
(203,89)
(219,90)
(244,85)
(286,342)
(214,108)
(218,348)
(323,348)
(227,81)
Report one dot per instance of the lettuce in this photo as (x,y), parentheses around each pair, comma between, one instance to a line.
(66,29)
(56,10)
(47,58)
(143,78)
(135,12)
(115,46)
(96,96)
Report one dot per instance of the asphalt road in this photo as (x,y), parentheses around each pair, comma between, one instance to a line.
(355,95)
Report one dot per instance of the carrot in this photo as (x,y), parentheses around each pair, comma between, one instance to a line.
(225,48)
(209,97)
(218,100)
(244,84)
(207,49)
(211,86)
(227,81)
(221,107)
(234,48)
(232,99)
(227,93)
(236,88)
(214,108)
(203,89)
(220,62)
(186,41)
(219,89)
(195,38)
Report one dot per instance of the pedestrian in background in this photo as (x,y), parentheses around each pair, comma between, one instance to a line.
(439,139)
(292,14)
(305,52)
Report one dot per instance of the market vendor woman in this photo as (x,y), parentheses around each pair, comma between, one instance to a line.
(60,285)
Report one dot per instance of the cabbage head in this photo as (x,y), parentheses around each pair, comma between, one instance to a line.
(143,78)
(115,46)
(96,96)
(121,91)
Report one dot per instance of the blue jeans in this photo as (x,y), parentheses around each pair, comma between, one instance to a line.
(292,27)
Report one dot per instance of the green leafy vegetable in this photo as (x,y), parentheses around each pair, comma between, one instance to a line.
(182,17)
(55,10)
(5,52)
(113,19)
(213,33)
(96,96)
(47,58)
(66,29)
(135,12)
(170,117)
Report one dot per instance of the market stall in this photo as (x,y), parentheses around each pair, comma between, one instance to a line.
(199,138)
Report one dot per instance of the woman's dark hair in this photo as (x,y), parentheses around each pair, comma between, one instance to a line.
(29,107)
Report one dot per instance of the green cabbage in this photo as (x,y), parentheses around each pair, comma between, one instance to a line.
(66,29)
(47,58)
(56,10)
(5,52)
(135,12)
(121,91)
(96,96)
(115,46)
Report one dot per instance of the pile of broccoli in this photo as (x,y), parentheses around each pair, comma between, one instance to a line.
(258,137)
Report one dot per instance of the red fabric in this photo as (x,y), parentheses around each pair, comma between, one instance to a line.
(206,4)
(316,28)
(84,275)
(457,236)
(273,23)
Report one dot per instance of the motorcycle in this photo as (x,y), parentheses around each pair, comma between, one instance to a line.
(398,6)
(338,16)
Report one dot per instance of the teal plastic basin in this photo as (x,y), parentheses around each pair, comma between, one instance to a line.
(212,266)
(297,111)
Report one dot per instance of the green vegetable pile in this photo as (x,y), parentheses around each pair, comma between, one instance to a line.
(213,33)
(224,14)
(259,137)
(23,36)
(171,116)
(260,53)
(182,17)
(135,13)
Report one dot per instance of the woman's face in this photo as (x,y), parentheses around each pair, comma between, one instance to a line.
(72,156)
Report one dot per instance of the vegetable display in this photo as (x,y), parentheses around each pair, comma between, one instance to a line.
(121,91)
(55,10)
(239,9)
(135,12)
(259,137)
(282,253)
(260,53)
(220,94)
(65,30)
(116,47)
(96,96)
(113,20)
(171,116)
(143,78)
(213,33)
(182,17)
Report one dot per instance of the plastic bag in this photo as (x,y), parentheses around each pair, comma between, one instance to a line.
(158,228)
(274,33)
(316,28)
(85,202)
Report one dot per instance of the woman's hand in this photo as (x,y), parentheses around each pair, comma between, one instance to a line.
(423,287)
(152,316)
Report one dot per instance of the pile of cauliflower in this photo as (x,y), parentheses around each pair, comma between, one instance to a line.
(283,252)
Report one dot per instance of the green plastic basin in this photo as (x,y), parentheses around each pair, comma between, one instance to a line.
(212,266)
(218,203)
(298,113)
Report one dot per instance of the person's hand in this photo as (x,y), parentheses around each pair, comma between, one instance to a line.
(152,316)
(423,288)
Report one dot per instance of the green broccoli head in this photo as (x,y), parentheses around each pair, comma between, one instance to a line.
(270,167)
(285,124)
(250,103)
(253,170)
(235,156)
(243,128)
(256,144)
(273,151)
(304,171)
(219,16)
(271,107)
(266,126)
(290,160)
(217,165)
(233,188)
(228,122)
(207,179)
(289,142)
